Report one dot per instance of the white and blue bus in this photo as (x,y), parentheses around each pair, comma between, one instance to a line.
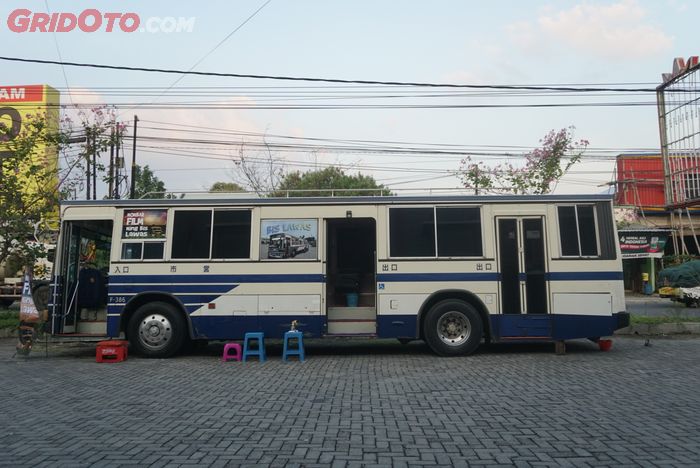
(451,270)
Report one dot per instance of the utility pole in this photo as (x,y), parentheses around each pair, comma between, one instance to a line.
(87,162)
(110,190)
(119,162)
(94,165)
(133,160)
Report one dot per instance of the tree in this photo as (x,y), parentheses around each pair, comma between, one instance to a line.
(327,182)
(260,171)
(31,181)
(543,167)
(99,129)
(147,185)
(477,175)
(29,185)
(226,187)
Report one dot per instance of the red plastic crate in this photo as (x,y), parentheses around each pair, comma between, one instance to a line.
(112,351)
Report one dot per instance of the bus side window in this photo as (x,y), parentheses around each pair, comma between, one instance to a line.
(132,250)
(577,231)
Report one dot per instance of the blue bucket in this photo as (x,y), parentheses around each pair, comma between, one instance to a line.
(352,299)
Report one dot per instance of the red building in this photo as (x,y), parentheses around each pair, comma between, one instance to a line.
(640,182)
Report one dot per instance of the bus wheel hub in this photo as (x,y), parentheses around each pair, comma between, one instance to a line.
(155,331)
(453,328)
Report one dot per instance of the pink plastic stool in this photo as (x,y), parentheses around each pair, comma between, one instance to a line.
(236,355)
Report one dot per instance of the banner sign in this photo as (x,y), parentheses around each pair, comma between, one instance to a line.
(641,244)
(288,238)
(144,224)
(28,312)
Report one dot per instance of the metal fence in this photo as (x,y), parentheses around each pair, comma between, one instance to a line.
(678,101)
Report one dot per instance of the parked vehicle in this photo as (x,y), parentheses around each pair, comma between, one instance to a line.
(451,270)
(681,283)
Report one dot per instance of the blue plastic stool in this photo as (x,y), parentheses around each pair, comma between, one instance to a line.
(259,351)
(299,351)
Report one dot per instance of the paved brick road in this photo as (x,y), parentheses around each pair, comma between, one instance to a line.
(357,405)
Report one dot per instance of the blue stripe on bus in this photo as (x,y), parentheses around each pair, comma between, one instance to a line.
(184,298)
(409,277)
(551,327)
(172,288)
(207,279)
(584,276)
(551,276)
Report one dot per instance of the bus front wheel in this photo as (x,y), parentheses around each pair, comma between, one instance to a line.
(453,328)
(157,330)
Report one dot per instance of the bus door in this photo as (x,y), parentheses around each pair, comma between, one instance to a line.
(68,277)
(523,283)
(80,299)
(351,295)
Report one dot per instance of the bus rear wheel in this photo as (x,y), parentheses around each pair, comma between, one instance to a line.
(156,330)
(453,328)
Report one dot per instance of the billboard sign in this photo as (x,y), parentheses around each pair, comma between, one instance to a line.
(144,224)
(20,104)
(642,244)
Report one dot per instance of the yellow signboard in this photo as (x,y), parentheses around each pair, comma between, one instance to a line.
(19,105)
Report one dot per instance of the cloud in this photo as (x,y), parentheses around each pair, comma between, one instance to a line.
(678,5)
(167,159)
(615,31)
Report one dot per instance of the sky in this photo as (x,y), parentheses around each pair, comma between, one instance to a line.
(590,43)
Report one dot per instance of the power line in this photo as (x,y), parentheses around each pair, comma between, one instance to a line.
(196,106)
(214,48)
(58,52)
(206,144)
(321,80)
(223,131)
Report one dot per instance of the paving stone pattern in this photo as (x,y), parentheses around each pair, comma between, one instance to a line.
(356,404)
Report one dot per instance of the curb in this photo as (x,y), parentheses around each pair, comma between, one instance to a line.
(680,328)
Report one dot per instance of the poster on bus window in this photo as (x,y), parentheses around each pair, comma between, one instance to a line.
(289,239)
(144,224)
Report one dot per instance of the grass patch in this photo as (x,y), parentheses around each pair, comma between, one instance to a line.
(644,320)
(9,318)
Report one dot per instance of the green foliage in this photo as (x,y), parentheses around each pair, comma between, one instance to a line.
(644,320)
(28,186)
(477,175)
(148,185)
(226,187)
(9,319)
(331,181)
